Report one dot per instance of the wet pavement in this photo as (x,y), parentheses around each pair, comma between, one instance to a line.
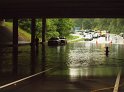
(75,67)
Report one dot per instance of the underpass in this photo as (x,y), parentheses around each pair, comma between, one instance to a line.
(75,67)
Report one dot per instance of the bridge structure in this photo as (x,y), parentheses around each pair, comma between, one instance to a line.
(58,9)
(44,9)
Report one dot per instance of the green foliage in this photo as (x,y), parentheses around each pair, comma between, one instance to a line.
(52,34)
(25,24)
(114,25)
(38,27)
(51,29)
(51,25)
(78,23)
(64,26)
(55,27)
(59,27)
(87,23)
(70,37)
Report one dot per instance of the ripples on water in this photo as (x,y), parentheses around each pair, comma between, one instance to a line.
(88,59)
(86,55)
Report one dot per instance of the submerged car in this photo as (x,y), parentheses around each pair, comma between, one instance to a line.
(54,41)
(63,41)
(57,41)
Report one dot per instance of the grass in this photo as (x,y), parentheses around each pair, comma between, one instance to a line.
(82,39)
(70,37)
(22,33)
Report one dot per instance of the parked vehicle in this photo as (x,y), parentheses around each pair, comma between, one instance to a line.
(57,41)
(92,32)
(95,35)
(88,37)
(99,33)
(121,34)
(63,41)
(85,32)
(54,41)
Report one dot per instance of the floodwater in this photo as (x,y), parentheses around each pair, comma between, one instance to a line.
(79,66)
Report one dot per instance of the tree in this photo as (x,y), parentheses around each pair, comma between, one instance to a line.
(87,23)
(78,22)
(114,25)
(55,27)
(25,24)
(64,26)
(51,29)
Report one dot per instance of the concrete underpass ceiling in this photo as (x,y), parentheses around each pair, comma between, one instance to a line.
(61,8)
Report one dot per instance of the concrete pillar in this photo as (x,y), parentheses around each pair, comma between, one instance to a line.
(43,29)
(33,24)
(15,32)
(15,46)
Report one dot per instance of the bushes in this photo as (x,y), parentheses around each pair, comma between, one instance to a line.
(52,34)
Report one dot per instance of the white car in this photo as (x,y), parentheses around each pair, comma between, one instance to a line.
(88,37)
(95,35)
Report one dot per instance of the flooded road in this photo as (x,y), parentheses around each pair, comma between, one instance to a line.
(76,67)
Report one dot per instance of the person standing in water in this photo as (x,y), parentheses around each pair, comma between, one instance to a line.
(107,51)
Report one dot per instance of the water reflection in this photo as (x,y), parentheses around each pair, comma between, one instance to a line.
(43,62)
(33,59)
(73,60)
(2,49)
(83,55)
(90,60)
(78,72)
(15,60)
